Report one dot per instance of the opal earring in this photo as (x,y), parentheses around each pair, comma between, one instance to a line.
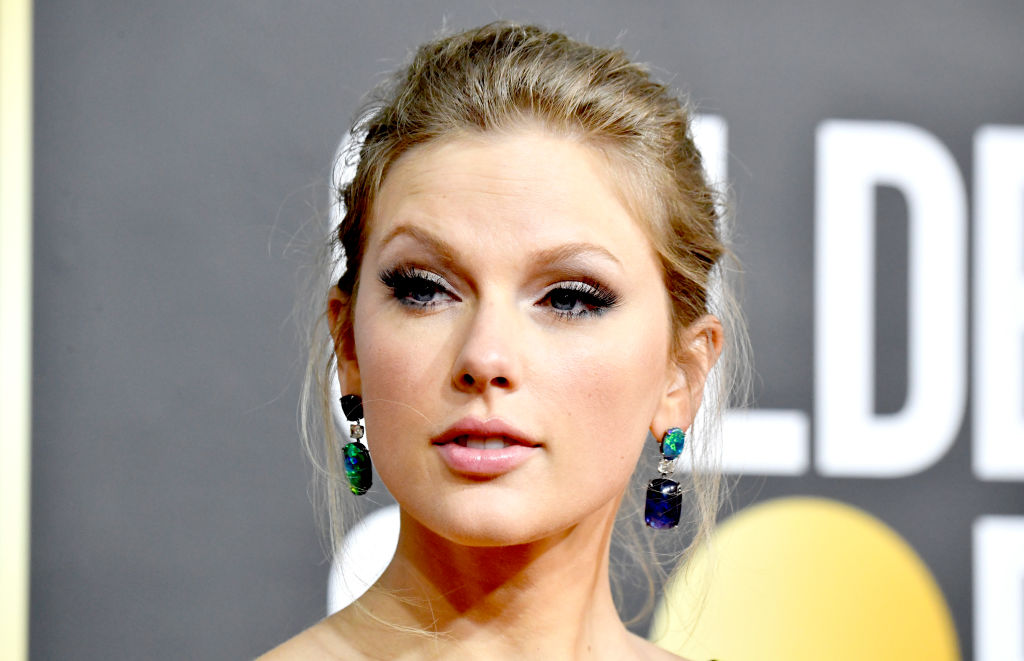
(358,468)
(664,503)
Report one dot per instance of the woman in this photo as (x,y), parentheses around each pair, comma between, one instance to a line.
(530,245)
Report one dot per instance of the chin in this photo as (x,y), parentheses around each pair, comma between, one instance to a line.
(498,534)
(501,522)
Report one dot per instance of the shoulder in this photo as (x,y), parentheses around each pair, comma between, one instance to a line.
(320,641)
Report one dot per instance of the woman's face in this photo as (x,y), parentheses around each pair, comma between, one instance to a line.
(511,336)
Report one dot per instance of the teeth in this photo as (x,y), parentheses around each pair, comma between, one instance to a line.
(486,443)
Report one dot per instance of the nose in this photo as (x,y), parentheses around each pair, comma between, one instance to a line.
(489,354)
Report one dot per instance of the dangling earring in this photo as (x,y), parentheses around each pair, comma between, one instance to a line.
(358,468)
(664,503)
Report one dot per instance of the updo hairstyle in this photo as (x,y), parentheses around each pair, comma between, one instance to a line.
(505,77)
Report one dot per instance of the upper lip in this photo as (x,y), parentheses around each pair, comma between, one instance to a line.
(483,429)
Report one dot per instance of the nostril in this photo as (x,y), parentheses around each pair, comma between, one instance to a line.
(500,381)
(467,379)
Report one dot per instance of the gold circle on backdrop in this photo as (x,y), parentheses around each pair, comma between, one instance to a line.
(805,578)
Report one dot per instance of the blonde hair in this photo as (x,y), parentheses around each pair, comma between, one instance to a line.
(501,77)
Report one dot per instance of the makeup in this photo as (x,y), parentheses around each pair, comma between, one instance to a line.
(484,449)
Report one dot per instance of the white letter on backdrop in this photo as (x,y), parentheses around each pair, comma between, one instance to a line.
(745,431)
(998,588)
(711,136)
(853,158)
(999,303)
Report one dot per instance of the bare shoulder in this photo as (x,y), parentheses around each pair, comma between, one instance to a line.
(320,641)
(647,650)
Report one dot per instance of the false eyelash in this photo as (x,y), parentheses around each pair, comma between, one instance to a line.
(590,293)
(391,277)
(400,279)
(596,292)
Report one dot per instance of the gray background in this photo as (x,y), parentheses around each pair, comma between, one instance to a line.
(178,147)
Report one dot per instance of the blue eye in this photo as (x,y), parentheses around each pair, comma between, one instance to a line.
(415,287)
(579,299)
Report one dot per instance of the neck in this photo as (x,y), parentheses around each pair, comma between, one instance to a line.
(546,599)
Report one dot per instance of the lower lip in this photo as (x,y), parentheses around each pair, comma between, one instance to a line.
(475,462)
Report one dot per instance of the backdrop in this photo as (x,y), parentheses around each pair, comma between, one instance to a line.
(875,157)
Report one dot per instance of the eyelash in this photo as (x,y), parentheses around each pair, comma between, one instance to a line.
(406,281)
(596,297)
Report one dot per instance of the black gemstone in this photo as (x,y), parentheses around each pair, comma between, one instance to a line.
(352,407)
(664,503)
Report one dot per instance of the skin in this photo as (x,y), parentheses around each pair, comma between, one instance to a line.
(499,231)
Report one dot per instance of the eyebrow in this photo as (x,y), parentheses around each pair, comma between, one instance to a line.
(562,253)
(437,245)
(570,251)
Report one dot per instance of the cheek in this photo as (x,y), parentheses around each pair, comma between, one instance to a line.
(403,368)
(620,371)
(398,369)
(607,389)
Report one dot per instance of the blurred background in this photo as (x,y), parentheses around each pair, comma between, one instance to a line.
(874,154)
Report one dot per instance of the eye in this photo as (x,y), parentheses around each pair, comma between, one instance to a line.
(578,299)
(416,287)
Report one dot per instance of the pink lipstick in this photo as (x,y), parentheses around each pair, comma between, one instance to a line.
(482,449)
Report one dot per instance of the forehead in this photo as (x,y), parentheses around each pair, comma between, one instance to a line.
(521,188)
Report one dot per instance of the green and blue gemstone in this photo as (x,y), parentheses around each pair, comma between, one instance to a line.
(672,443)
(357,468)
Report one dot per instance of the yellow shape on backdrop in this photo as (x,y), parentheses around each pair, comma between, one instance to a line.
(805,578)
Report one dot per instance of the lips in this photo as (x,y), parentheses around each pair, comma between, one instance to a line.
(471,430)
(483,443)
(484,449)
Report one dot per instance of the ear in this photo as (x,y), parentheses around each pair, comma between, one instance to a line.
(701,344)
(344,343)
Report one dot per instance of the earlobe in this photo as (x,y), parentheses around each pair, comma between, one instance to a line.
(702,343)
(338,319)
